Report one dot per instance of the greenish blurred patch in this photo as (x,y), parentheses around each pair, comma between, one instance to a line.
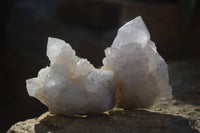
(186,10)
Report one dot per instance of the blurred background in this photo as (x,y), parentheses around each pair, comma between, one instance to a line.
(90,26)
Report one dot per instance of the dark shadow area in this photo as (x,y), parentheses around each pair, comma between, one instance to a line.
(138,121)
(185,80)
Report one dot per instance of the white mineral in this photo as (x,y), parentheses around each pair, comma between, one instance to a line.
(139,71)
(134,75)
(72,85)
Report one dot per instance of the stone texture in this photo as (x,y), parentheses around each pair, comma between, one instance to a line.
(168,117)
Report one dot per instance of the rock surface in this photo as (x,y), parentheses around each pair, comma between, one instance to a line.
(168,117)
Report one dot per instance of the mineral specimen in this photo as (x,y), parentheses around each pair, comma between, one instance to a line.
(139,71)
(71,85)
(134,75)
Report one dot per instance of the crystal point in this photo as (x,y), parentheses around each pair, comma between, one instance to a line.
(140,72)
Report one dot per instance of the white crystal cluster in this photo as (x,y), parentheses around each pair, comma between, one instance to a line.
(140,72)
(71,85)
(134,75)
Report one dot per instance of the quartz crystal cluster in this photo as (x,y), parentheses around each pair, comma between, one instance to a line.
(133,76)
(71,85)
(140,73)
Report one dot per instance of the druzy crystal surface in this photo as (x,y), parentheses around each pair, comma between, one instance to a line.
(134,75)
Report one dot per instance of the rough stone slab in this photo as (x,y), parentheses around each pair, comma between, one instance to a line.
(169,117)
